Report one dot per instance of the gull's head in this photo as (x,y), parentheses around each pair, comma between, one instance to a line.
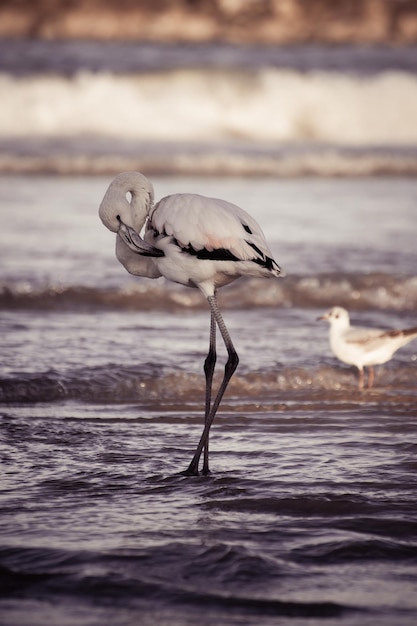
(127,202)
(337,317)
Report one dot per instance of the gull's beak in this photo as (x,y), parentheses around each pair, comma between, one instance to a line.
(136,243)
(322,317)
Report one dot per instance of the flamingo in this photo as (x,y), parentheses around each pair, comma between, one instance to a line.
(362,347)
(195,241)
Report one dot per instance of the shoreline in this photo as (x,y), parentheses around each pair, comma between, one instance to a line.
(234,21)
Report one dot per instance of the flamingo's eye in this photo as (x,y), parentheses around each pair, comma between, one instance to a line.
(118,218)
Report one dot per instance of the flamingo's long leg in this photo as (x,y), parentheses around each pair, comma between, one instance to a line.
(229,369)
(209,365)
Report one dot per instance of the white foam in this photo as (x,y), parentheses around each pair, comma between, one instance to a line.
(266,105)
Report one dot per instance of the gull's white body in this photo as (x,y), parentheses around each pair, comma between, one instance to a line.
(192,240)
(363,347)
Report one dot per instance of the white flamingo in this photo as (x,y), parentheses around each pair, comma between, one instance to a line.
(195,241)
(361,346)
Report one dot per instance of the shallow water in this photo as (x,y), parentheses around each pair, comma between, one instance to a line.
(309,514)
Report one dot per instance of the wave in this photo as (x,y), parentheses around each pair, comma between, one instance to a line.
(22,57)
(154,387)
(366,550)
(260,104)
(26,570)
(353,291)
(103,156)
(143,579)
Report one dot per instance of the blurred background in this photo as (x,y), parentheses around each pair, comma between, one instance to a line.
(242,87)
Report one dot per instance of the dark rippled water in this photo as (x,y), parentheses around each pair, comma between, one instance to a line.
(309,515)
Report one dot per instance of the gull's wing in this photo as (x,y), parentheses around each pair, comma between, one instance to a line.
(370,339)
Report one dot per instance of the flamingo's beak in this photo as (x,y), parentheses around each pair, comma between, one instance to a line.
(136,243)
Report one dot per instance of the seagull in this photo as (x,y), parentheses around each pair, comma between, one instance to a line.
(361,346)
(195,241)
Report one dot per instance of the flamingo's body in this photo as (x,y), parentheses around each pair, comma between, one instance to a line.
(363,347)
(192,240)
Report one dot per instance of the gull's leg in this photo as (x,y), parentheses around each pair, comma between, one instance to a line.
(361,378)
(371,377)
(209,364)
(229,369)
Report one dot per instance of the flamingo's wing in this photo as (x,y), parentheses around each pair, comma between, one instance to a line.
(209,224)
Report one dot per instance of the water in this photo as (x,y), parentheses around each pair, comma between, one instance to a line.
(309,514)
(77,107)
